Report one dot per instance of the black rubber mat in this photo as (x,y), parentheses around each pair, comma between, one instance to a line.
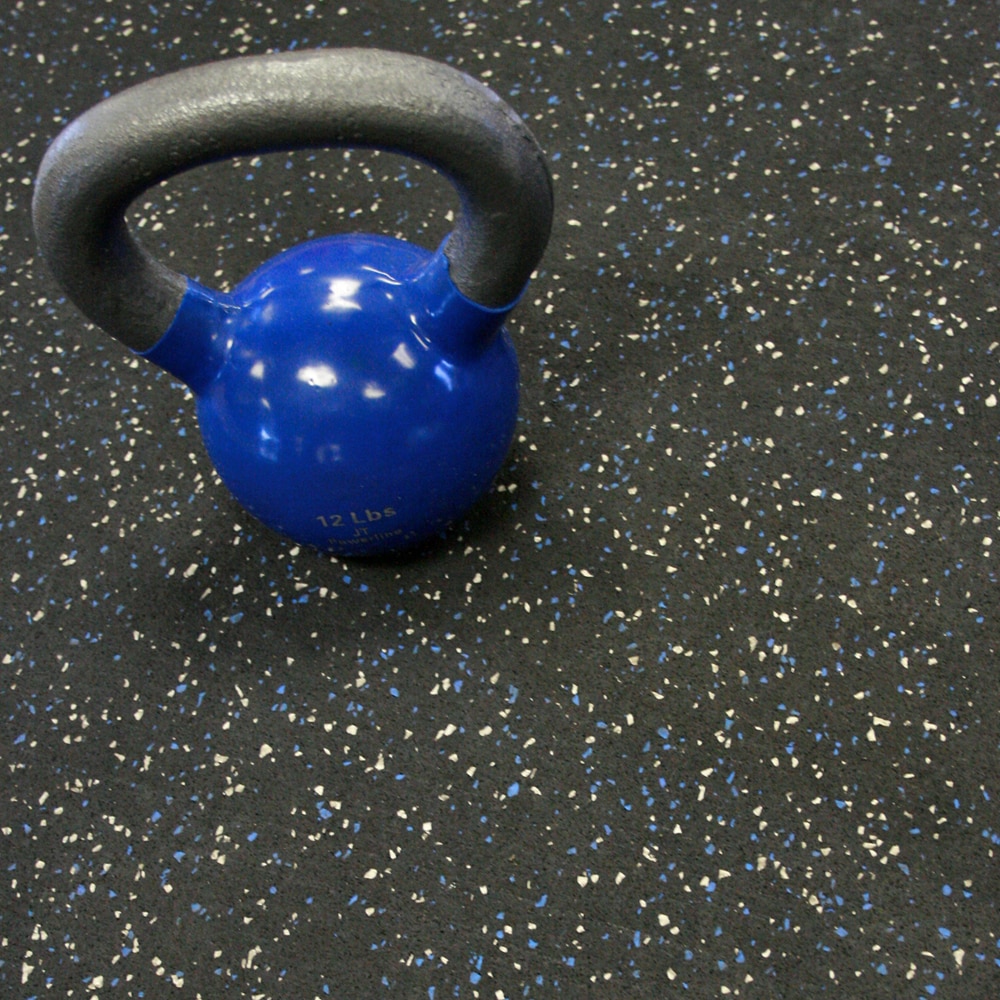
(700,700)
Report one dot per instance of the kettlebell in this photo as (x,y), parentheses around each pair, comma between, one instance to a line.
(357,393)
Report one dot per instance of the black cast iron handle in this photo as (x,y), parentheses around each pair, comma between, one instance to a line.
(368,98)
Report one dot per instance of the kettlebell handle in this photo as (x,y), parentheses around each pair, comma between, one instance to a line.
(365,98)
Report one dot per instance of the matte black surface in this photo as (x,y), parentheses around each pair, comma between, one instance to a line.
(704,696)
(393,101)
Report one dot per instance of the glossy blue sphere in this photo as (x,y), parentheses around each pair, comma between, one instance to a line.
(349,395)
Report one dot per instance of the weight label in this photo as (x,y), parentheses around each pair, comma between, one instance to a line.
(360,520)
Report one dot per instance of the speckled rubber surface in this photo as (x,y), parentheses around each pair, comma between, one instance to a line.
(702,700)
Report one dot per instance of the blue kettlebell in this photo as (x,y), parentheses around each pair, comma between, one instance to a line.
(356,393)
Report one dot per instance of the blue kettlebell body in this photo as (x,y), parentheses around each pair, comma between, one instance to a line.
(348,394)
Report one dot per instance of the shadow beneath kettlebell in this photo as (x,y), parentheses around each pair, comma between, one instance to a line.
(491,520)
